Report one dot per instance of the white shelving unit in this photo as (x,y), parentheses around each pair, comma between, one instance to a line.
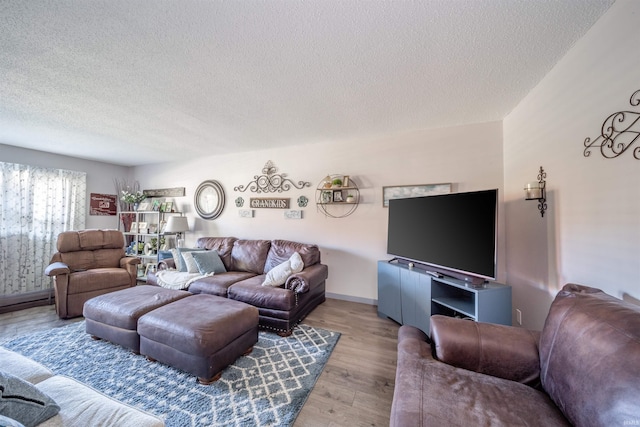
(152,223)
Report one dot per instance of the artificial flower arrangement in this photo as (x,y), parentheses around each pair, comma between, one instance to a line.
(136,197)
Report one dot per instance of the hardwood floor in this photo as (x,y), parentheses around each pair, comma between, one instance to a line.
(356,386)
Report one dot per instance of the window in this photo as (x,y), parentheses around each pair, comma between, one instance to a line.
(36,204)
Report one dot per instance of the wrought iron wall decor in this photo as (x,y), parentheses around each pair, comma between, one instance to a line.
(538,191)
(271,182)
(619,132)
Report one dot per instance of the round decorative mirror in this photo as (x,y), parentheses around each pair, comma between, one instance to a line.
(209,199)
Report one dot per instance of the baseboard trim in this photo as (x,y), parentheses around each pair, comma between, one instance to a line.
(352,298)
(26,300)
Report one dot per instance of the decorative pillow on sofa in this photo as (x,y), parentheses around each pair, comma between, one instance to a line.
(9,422)
(209,262)
(178,258)
(189,262)
(279,274)
(23,402)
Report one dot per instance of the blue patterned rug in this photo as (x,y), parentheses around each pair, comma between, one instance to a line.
(265,388)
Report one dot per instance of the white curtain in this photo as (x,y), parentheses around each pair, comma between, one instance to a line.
(36,204)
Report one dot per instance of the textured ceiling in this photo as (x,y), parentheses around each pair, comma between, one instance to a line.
(128,82)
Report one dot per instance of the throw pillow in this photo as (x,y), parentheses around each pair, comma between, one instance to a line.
(180,255)
(23,402)
(190,263)
(279,274)
(209,262)
(177,258)
(9,422)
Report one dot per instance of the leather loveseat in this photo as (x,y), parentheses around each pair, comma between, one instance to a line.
(246,263)
(583,369)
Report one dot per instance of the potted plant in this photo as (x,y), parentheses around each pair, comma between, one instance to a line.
(133,198)
(336,183)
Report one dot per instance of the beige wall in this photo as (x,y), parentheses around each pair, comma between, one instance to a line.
(469,157)
(591,232)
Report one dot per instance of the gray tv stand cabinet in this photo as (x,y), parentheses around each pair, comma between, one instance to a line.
(411,295)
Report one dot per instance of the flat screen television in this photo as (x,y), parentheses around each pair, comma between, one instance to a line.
(452,234)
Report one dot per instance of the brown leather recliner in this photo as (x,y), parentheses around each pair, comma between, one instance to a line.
(89,263)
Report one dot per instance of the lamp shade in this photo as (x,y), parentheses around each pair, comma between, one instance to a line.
(177,224)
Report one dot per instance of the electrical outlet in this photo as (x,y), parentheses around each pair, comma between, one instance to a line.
(519,316)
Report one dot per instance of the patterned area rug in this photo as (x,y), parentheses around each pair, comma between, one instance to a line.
(265,388)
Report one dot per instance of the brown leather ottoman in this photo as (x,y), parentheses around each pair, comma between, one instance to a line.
(114,316)
(201,334)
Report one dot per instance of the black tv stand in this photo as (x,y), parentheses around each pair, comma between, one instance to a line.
(410,295)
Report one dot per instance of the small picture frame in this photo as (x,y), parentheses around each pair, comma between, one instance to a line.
(163,225)
(163,207)
(150,268)
(156,204)
(326,197)
(345,181)
(168,207)
(153,228)
(142,227)
(337,196)
(133,228)
(144,206)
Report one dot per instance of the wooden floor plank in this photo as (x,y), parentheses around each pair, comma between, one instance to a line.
(356,386)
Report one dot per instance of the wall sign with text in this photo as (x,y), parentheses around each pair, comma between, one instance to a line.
(269,203)
(103,204)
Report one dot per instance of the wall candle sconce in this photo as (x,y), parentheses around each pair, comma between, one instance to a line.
(536,191)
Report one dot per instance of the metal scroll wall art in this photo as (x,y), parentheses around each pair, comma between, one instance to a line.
(271,182)
(620,131)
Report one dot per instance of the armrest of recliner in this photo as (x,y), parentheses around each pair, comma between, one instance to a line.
(501,351)
(57,268)
(129,260)
(308,278)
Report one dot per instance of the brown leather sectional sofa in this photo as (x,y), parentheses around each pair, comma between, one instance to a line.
(247,262)
(583,369)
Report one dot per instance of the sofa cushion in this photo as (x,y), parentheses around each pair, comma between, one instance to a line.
(222,245)
(97,279)
(590,357)
(209,262)
(23,402)
(82,406)
(497,350)
(22,367)
(252,292)
(249,255)
(89,240)
(279,274)
(281,250)
(218,284)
